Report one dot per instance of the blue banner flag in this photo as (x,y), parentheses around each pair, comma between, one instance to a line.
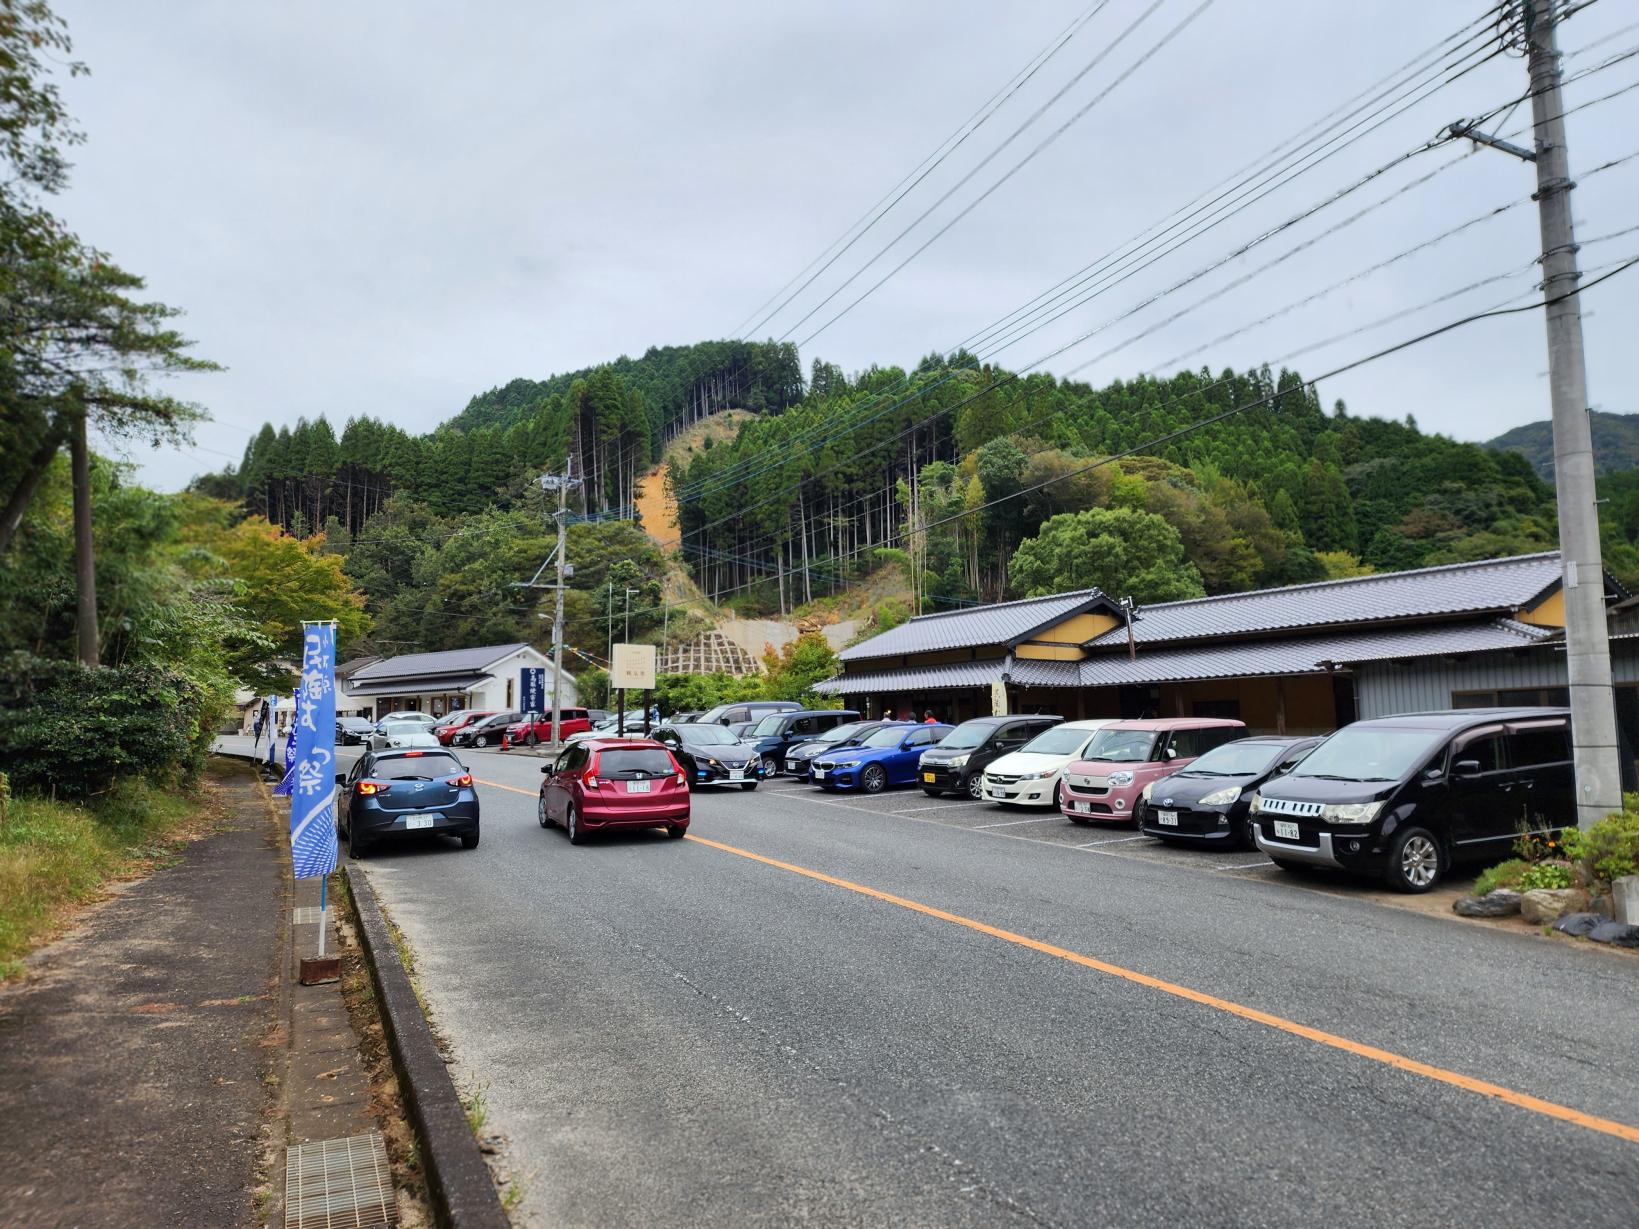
(282,790)
(313,796)
(532,689)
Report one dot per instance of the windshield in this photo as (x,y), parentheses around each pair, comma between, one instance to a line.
(1060,740)
(706,735)
(968,734)
(842,733)
(1123,746)
(1239,759)
(888,736)
(768,725)
(416,767)
(637,762)
(1370,753)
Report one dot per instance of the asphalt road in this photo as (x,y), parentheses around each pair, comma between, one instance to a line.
(1046,1025)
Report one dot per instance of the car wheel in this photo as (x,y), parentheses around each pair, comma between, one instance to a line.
(874,779)
(530,740)
(976,787)
(1058,794)
(1416,862)
(356,846)
(481,740)
(470,840)
(748,785)
(771,766)
(540,811)
(677,831)
(933,793)
(571,823)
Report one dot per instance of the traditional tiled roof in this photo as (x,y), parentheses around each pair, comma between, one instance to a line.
(1489,586)
(952,675)
(451,662)
(1004,623)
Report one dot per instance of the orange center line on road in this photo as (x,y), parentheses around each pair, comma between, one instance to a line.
(1387,1057)
(528,792)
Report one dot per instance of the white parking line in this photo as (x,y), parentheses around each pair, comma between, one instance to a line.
(1113,840)
(944,806)
(1244,866)
(1034,819)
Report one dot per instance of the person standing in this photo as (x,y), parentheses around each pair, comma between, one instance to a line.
(928,718)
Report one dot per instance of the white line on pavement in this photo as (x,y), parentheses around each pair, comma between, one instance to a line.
(1034,819)
(1244,866)
(1114,840)
(943,806)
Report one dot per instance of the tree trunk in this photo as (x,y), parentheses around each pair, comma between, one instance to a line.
(85,563)
(23,493)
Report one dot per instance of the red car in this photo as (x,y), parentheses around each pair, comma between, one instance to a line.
(445,729)
(537,727)
(601,783)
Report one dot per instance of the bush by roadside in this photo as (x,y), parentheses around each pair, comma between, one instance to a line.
(54,854)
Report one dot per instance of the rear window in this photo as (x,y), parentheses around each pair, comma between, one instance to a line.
(412,767)
(635,762)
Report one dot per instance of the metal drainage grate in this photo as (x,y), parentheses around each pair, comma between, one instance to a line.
(304,915)
(339,1184)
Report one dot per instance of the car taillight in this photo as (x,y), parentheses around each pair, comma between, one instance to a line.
(464,779)
(372,787)
(682,780)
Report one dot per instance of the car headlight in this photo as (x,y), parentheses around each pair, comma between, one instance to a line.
(959,762)
(1256,804)
(712,762)
(1121,777)
(1035,776)
(1147,789)
(1351,812)
(1222,797)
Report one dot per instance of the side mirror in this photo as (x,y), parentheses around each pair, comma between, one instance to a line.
(1466,768)
(1171,753)
(341,779)
(546,767)
(1433,774)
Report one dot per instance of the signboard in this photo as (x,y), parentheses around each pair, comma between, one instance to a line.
(632,668)
(998,699)
(532,689)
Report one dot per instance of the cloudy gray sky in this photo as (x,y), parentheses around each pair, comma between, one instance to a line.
(384,208)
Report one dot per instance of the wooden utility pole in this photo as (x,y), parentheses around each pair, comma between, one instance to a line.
(85,561)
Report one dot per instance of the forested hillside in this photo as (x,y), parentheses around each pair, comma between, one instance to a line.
(1615,443)
(967,482)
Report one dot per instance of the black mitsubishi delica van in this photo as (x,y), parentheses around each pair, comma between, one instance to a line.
(1407,797)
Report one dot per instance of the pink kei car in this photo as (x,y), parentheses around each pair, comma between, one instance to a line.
(1127,755)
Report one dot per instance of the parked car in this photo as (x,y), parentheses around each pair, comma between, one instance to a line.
(710,755)
(778,731)
(609,727)
(687,716)
(1105,783)
(354,731)
(426,720)
(887,757)
(958,762)
(1030,776)
(748,710)
(598,714)
(1209,801)
(605,783)
(395,729)
(486,731)
(457,721)
(798,756)
(1407,797)
(390,794)
(740,729)
(533,728)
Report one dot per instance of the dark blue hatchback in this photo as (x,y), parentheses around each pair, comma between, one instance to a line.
(398,793)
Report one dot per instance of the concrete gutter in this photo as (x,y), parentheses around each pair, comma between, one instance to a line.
(458,1181)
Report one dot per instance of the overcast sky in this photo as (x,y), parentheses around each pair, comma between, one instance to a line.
(384,208)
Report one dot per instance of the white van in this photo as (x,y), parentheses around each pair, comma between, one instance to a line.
(1029,777)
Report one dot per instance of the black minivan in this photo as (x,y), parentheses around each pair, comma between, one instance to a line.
(959,761)
(1407,797)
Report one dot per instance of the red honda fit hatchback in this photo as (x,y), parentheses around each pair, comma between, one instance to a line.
(601,783)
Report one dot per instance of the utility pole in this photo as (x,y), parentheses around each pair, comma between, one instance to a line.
(629,593)
(1587,640)
(85,562)
(561,483)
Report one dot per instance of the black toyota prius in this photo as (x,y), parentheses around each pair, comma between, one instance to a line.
(1208,801)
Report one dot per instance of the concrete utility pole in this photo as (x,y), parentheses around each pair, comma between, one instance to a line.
(563,483)
(85,562)
(1587,643)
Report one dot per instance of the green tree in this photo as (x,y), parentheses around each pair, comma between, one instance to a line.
(1120,551)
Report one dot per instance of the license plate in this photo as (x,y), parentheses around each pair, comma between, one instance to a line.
(1084,808)
(819,774)
(995,793)
(736,774)
(928,777)
(1286,831)
(418,821)
(637,787)
(1170,818)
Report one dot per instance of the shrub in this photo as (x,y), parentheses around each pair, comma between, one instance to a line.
(1546,875)
(1607,850)
(1503,875)
(74,730)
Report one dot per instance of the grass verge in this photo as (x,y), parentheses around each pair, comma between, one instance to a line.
(55,856)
